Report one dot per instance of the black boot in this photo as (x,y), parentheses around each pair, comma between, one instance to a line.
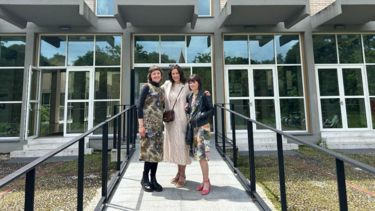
(155,185)
(146,185)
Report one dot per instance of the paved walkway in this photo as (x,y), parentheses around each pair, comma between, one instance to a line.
(227,193)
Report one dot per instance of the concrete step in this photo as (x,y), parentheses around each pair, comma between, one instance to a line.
(51,146)
(349,140)
(39,153)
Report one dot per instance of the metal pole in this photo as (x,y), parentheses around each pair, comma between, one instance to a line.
(215,123)
(223,128)
(114,131)
(118,166)
(30,190)
(250,141)
(280,155)
(81,167)
(233,123)
(105,161)
(341,185)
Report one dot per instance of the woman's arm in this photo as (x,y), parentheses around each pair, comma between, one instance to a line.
(141,103)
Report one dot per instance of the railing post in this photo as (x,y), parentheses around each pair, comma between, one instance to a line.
(280,155)
(223,128)
(114,130)
(118,166)
(81,167)
(215,124)
(134,125)
(250,142)
(105,161)
(30,190)
(233,123)
(341,185)
(128,116)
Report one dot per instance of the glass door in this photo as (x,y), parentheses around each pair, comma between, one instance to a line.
(32,113)
(78,100)
(342,98)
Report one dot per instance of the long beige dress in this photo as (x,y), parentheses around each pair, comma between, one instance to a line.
(175,149)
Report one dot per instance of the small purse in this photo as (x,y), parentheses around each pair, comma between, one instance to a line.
(168,116)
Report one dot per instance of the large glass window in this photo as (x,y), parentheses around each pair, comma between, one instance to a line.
(105,7)
(198,49)
(325,49)
(235,49)
(146,49)
(12,57)
(52,51)
(12,51)
(172,49)
(350,48)
(108,50)
(369,45)
(80,50)
(287,49)
(262,49)
(204,7)
(107,83)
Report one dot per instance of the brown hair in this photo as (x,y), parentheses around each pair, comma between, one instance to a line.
(196,78)
(152,69)
(180,72)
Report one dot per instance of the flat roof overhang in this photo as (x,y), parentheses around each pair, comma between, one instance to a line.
(345,12)
(43,13)
(262,12)
(146,13)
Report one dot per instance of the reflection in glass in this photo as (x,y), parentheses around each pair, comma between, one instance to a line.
(12,51)
(372,105)
(78,87)
(265,113)
(356,113)
(263,82)
(146,49)
(102,111)
(325,49)
(52,51)
(105,7)
(350,49)
(287,49)
(77,120)
(369,45)
(198,49)
(205,74)
(371,79)
(10,118)
(204,7)
(331,113)
(11,84)
(292,114)
(80,50)
(236,50)
(140,78)
(172,49)
(242,107)
(32,119)
(107,83)
(34,86)
(328,82)
(262,49)
(352,81)
(290,81)
(238,83)
(108,50)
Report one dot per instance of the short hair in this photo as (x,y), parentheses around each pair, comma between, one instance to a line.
(180,72)
(152,69)
(196,78)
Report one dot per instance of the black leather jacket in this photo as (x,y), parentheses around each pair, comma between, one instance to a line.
(204,109)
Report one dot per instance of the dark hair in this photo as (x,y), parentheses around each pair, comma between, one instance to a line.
(180,72)
(152,69)
(196,78)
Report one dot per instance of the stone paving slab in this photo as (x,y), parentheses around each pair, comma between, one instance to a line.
(226,194)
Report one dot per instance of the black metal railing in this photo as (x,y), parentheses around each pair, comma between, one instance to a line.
(127,115)
(221,142)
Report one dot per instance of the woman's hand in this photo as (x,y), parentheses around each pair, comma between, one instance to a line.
(142,131)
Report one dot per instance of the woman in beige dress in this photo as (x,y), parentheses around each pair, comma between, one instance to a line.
(175,149)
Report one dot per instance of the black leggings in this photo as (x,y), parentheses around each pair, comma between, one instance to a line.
(148,166)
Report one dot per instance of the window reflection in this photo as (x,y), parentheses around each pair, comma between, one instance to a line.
(356,113)
(105,7)
(292,114)
(198,49)
(80,50)
(108,50)
(325,49)
(331,113)
(263,82)
(11,84)
(290,81)
(238,83)
(204,7)
(205,74)
(287,49)
(146,49)
(369,44)
(10,118)
(265,113)
(371,79)
(107,83)
(242,107)
(262,49)
(172,49)
(352,81)
(53,51)
(328,82)
(236,50)
(350,48)
(12,51)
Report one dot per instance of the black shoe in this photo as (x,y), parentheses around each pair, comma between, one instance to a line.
(146,185)
(156,186)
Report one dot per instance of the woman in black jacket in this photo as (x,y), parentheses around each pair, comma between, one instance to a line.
(199,110)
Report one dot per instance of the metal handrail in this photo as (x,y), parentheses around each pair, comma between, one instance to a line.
(29,169)
(340,159)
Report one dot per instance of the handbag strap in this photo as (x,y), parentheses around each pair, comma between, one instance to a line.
(177,97)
